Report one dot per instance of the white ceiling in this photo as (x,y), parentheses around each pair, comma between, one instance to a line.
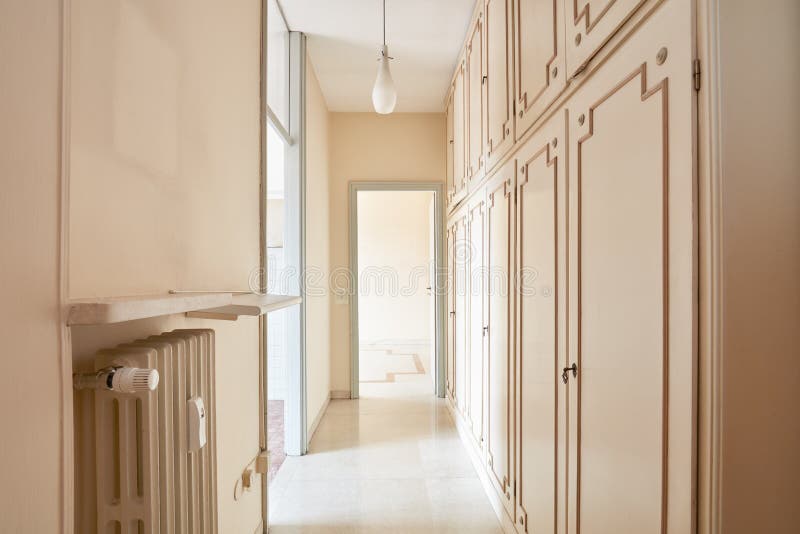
(344,38)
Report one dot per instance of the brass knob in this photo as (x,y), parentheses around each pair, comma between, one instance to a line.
(661,56)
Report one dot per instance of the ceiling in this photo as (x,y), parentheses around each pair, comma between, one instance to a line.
(344,39)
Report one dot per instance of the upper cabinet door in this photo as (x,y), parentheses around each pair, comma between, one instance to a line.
(450,145)
(632,276)
(499,80)
(459,131)
(540,58)
(499,362)
(590,24)
(474,77)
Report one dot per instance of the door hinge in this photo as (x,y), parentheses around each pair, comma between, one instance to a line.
(696,74)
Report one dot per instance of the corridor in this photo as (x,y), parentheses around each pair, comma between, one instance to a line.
(390,462)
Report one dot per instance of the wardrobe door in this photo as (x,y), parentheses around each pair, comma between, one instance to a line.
(476,277)
(451,312)
(449,147)
(590,24)
(500,418)
(541,328)
(632,307)
(459,131)
(474,82)
(540,58)
(499,82)
(460,317)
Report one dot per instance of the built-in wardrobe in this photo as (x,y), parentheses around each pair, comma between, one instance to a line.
(571,342)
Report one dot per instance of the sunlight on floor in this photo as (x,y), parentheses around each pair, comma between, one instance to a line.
(390,462)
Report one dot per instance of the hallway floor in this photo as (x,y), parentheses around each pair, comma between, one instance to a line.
(390,462)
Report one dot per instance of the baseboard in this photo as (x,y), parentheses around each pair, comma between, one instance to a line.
(318,418)
(476,457)
(340,394)
(379,342)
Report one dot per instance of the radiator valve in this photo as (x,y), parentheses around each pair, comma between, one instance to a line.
(119,379)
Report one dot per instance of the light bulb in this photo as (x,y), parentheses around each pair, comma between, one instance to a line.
(384,95)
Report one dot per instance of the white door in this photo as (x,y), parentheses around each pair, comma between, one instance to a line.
(460,343)
(476,310)
(632,307)
(541,328)
(499,411)
(432,287)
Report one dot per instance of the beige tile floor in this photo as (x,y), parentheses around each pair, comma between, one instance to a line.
(390,462)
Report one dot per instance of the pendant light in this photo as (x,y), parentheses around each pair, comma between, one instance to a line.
(384,95)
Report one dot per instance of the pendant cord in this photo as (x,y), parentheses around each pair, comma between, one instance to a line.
(384,22)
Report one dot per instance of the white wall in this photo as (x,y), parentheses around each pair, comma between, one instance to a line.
(760,243)
(30,399)
(394,266)
(370,147)
(165,194)
(318,322)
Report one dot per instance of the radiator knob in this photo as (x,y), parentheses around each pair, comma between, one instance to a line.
(133,380)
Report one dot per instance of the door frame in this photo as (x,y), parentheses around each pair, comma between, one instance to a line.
(295,429)
(440,268)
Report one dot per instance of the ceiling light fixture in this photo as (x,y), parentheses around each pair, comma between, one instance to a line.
(384,94)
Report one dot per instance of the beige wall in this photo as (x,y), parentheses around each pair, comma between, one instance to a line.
(165,191)
(318,310)
(370,147)
(394,266)
(760,135)
(30,399)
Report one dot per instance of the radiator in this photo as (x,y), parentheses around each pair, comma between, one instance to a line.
(152,475)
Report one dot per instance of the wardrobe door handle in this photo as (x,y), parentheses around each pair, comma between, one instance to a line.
(565,372)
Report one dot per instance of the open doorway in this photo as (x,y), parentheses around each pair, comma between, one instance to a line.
(285,417)
(396,305)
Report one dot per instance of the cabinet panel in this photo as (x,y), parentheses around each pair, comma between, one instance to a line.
(499,204)
(449,147)
(633,306)
(459,131)
(590,24)
(451,311)
(477,320)
(540,331)
(499,80)
(460,329)
(474,82)
(540,58)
